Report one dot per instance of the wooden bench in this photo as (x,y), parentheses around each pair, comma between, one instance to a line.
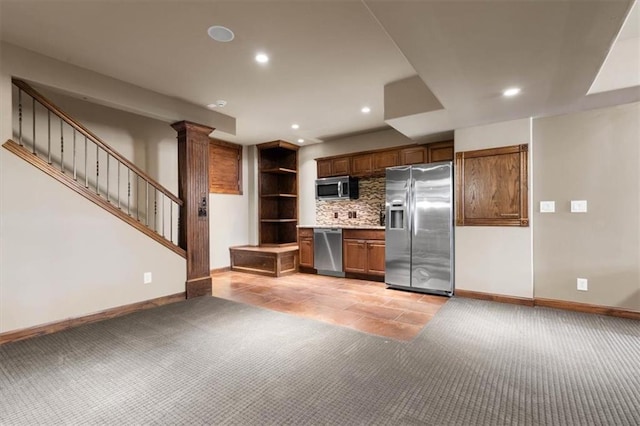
(270,261)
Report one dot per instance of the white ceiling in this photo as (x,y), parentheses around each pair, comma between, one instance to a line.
(330,58)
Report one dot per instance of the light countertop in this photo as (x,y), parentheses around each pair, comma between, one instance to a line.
(343,226)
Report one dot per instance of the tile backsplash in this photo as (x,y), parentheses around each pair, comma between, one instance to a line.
(367,207)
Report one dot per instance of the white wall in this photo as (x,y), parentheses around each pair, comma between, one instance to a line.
(494,259)
(104,90)
(594,156)
(229,220)
(60,255)
(307,164)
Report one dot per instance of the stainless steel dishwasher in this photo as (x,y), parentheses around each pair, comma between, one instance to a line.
(327,251)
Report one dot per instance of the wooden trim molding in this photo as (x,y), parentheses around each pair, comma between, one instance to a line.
(86,132)
(53,327)
(585,307)
(220,270)
(551,303)
(68,181)
(494,297)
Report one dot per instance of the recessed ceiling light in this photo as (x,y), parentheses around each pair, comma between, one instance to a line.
(220,33)
(295,126)
(512,91)
(262,58)
(366,110)
(300,140)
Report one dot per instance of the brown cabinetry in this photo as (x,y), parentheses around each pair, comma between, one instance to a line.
(278,192)
(384,159)
(362,165)
(440,151)
(491,187)
(413,155)
(374,163)
(305,241)
(339,166)
(363,251)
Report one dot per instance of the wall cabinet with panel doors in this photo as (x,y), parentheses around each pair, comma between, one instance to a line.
(225,167)
(439,151)
(278,193)
(363,251)
(491,187)
(373,163)
(339,166)
(305,241)
(413,155)
(362,165)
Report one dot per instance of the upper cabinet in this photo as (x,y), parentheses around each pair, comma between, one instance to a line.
(491,187)
(225,167)
(414,155)
(440,151)
(335,166)
(374,163)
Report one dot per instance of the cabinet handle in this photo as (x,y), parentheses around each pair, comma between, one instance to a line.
(510,214)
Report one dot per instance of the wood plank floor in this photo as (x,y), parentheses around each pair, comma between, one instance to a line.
(366,306)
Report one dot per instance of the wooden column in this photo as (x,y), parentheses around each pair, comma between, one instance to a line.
(193,179)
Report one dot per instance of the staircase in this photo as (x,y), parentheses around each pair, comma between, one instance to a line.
(55,143)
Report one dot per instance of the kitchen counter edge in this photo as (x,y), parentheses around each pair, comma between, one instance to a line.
(343,227)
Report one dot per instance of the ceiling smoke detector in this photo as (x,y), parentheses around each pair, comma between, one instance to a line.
(220,103)
(220,33)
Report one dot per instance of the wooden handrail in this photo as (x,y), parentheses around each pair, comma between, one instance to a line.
(71,183)
(79,127)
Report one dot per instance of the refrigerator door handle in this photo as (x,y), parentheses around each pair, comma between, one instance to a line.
(410,206)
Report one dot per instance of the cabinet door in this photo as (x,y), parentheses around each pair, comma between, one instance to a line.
(384,159)
(361,165)
(306,251)
(417,155)
(324,168)
(491,187)
(355,256)
(440,151)
(340,166)
(375,257)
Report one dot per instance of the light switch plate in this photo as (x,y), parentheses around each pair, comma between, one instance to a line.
(582,284)
(578,206)
(547,206)
(147,278)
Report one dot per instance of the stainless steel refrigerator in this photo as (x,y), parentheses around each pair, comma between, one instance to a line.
(419,228)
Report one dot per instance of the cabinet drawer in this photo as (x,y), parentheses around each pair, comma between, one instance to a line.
(363,234)
(305,232)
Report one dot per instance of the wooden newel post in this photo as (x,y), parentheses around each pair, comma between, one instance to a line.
(193,180)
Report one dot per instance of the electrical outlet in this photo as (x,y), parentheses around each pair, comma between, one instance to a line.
(147,278)
(355,215)
(350,215)
(335,215)
(583,284)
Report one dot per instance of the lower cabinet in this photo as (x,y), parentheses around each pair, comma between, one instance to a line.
(305,242)
(363,251)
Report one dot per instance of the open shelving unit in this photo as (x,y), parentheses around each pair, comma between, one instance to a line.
(278,193)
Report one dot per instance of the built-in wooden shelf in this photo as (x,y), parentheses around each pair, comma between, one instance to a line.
(281,170)
(278,194)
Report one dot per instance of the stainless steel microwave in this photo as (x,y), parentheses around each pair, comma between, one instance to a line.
(337,188)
